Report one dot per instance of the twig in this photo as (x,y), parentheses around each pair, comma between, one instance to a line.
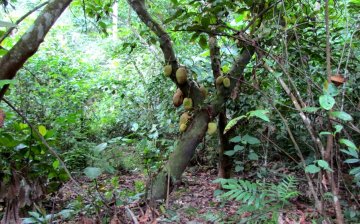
(131,215)
(168,190)
(44,142)
(21,19)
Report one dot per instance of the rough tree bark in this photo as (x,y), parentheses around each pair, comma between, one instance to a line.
(11,62)
(225,162)
(196,131)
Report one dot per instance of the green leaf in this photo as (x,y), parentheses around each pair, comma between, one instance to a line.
(56,164)
(310,109)
(236,139)
(99,148)
(253,156)
(92,172)
(323,164)
(338,128)
(325,133)
(312,169)
(341,115)
(42,130)
(260,114)
(352,161)
(348,143)
(232,123)
(326,102)
(6,82)
(351,152)
(239,168)
(238,148)
(355,171)
(229,153)
(331,90)
(250,140)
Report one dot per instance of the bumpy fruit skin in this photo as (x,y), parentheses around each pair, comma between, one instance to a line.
(219,80)
(181,75)
(203,91)
(226,82)
(184,118)
(182,127)
(167,70)
(212,127)
(178,98)
(188,104)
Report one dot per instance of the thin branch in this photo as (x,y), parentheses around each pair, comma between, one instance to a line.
(259,15)
(43,141)
(27,46)
(133,217)
(21,19)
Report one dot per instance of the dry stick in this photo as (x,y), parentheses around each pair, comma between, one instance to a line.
(168,190)
(21,19)
(131,215)
(279,148)
(298,107)
(318,203)
(330,139)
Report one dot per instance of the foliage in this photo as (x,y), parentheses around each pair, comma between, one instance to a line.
(105,105)
(259,198)
(23,157)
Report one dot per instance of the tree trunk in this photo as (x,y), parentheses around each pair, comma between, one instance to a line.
(225,162)
(180,158)
(11,215)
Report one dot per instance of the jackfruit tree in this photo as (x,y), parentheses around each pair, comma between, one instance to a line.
(264,47)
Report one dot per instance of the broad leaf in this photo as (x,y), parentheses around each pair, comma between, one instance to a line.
(238,148)
(348,143)
(351,152)
(232,123)
(92,172)
(326,102)
(260,114)
(236,139)
(42,130)
(341,115)
(253,156)
(229,152)
(239,168)
(325,133)
(338,128)
(312,169)
(323,164)
(352,161)
(56,164)
(251,140)
(99,148)
(310,109)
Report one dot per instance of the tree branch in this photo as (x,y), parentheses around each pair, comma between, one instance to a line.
(21,19)
(11,62)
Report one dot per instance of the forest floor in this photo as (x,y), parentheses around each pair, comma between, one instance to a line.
(193,201)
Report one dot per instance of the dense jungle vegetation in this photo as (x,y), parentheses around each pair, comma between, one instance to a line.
(181,111)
